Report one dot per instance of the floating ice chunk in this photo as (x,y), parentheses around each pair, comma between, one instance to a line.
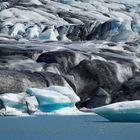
(65,91)
(128,111)
(54,98)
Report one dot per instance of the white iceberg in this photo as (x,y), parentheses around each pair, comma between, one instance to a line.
(128,111)
(13,100)
(54,98)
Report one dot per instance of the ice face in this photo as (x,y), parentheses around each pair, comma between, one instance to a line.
(128,111)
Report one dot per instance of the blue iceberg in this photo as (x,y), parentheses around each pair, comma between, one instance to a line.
(53,98)
(128,111)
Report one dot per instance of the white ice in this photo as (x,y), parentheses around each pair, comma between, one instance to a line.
(122,111)
(13,100)
(66,92)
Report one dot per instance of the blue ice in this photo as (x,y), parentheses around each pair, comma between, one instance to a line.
(128,111)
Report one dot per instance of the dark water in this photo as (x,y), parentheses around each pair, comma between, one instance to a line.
(66,128)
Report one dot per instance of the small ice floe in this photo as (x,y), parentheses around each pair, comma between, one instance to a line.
(128,111)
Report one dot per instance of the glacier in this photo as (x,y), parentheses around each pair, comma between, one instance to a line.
(58,56)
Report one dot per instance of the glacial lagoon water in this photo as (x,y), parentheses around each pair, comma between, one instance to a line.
(54,127)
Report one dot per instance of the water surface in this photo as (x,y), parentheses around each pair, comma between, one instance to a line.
(66,128)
